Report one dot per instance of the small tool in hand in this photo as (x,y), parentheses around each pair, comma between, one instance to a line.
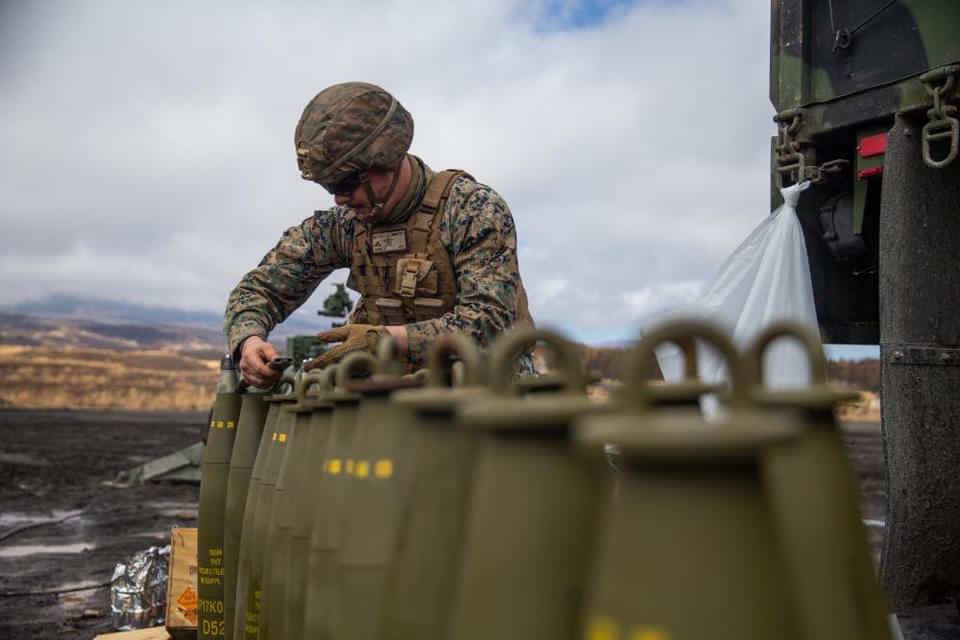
(280,363)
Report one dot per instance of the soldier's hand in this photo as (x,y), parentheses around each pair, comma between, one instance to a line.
(353,337)
(254,359)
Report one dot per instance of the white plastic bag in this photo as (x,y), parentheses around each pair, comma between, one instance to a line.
(766,280)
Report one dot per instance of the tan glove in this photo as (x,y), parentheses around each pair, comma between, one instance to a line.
(353,337)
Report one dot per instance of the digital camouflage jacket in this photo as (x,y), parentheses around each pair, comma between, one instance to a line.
(477,230)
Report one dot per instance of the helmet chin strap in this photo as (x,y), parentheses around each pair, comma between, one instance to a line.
(377,212)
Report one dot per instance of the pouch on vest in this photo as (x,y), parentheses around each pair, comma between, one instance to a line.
(415,275)
(391,310)
(427,308)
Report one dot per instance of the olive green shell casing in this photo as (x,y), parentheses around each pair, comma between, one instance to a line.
(262,509)
(308,476)
(213,494)
(531,515)
(814,493)
(321,609)
(244,552)
(423,575)
(377,489)
(277,580)
(253,414)
(279,525)
(687,546)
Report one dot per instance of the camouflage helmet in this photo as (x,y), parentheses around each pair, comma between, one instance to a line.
(351,127)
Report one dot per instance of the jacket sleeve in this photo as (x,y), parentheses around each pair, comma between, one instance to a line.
(479,232)
(287,275)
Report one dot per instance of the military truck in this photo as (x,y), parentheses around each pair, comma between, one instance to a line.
(865,94)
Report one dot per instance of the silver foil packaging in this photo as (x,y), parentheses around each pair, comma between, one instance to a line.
(138,590)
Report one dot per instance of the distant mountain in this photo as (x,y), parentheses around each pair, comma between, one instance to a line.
(25,330)
(107,311)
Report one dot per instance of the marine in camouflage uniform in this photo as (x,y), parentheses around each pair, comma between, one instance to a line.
(346,131)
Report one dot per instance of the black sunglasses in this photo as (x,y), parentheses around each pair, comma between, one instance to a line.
(345,185)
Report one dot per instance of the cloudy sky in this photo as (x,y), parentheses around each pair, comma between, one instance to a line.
(147,148)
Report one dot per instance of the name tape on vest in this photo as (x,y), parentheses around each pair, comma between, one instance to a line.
(390,241)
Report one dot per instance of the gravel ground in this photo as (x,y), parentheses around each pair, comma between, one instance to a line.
(52,468)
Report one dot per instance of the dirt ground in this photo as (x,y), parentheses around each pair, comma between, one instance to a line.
(52,468)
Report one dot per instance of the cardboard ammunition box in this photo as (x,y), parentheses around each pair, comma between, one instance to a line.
(156,633)
(182,596)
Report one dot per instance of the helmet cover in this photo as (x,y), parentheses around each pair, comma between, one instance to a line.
(351,127)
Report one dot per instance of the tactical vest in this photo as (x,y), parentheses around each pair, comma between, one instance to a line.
(402,271)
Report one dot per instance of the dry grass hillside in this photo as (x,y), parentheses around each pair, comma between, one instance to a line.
(84,378)
(604,364)
(84,364)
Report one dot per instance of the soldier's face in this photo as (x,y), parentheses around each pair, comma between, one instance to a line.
(380,181)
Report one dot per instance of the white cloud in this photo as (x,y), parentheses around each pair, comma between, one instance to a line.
(125,277)
(549,290)
(148,148)
(655,299)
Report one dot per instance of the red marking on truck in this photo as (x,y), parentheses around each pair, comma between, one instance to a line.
(872,145)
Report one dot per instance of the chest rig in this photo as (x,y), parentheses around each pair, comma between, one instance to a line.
(402,271)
